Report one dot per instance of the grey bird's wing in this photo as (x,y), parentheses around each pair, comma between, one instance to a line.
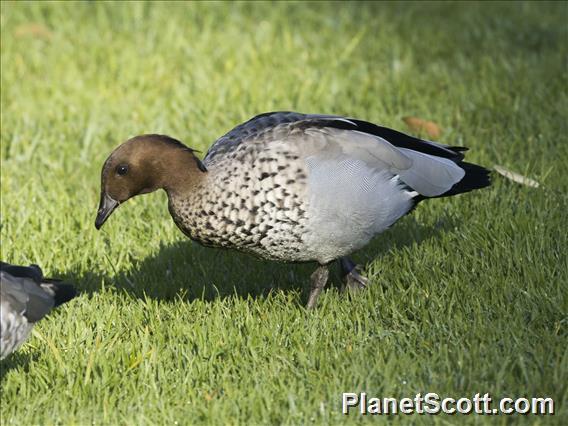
(22,295)
(262,123)
(427,167)
(25,291)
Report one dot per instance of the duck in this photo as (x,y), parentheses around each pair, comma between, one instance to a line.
(26,296)
(290,187)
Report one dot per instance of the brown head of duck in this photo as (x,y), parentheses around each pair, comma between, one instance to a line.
(145,164)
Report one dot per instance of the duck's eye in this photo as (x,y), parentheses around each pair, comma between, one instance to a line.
(122,169)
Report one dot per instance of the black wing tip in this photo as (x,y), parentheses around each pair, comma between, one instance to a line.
(395,137)
(476,177)
(62,292)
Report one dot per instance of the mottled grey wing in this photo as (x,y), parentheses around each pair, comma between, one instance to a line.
(24,296)
(427,167)
(287,120)
(249,130)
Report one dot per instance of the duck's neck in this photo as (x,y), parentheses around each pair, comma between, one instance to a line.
(180,172)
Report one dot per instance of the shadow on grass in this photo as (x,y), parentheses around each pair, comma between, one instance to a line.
(189,271)
(185,270)
(14,361)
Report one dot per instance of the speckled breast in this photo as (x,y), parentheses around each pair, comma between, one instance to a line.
(253,200)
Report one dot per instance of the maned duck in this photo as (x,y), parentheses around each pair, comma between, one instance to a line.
(26,296)
(290,187)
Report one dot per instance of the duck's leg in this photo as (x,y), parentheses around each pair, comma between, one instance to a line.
(318,282)
(352,279)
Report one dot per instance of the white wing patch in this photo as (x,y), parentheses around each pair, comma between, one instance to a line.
(430,175)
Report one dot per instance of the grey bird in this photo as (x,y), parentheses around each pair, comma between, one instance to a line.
(26,296)
(290,187)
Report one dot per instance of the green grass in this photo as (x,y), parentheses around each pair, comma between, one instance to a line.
(468,294)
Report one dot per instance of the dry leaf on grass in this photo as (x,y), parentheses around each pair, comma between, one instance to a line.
(515,177)
(419,125)
(33,29)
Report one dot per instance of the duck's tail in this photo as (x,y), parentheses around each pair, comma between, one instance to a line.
(60,292)
(476,177)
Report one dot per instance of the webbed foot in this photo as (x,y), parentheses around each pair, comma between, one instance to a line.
(352,279)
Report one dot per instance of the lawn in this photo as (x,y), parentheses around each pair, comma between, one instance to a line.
(468,295)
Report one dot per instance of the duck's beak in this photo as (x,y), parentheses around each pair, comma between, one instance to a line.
(106,207)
